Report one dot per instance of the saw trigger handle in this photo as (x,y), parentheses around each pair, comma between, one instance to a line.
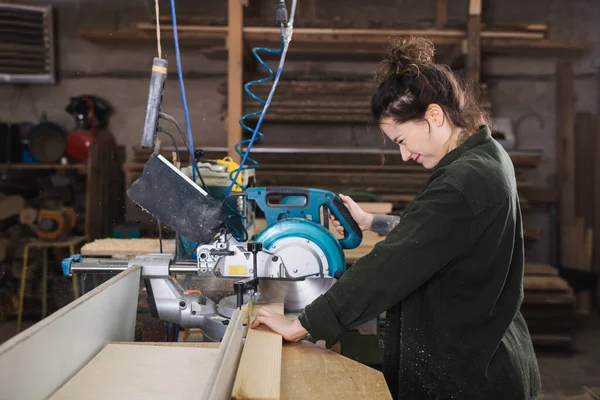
(353,233)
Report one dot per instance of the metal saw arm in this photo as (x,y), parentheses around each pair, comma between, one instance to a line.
(166,298)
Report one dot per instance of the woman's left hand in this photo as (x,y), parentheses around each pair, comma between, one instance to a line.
(292,331)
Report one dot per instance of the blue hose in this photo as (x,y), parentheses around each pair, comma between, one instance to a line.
(183,97)
(256,134)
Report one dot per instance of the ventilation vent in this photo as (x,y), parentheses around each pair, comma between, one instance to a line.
(26,44)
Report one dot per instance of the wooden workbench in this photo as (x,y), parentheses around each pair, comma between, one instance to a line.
(179,370)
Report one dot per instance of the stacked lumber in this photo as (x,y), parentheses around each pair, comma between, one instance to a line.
(549,306)
(312,100)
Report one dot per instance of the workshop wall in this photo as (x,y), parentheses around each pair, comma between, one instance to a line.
(518,86)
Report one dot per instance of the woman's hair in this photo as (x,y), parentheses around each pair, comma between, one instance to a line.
(409,81)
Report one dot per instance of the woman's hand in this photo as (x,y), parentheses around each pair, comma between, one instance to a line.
(362,218)
(292,331)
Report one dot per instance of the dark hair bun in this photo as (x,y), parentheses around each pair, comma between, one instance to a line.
(405,56)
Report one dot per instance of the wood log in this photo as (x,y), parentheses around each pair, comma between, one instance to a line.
(11,206)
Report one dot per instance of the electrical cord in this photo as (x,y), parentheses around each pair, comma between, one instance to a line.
(182,86)
(163,130)
(171,119)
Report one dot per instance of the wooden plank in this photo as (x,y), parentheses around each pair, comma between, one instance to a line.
(235,48)
(134,371)
(126,248)
(585,144)
(69,338)
(309,371)
(596,185)
(565,156)
(475,7)
(540,269)
(259,371)
(545,283)
(474,43)
(252,33)
(441,12)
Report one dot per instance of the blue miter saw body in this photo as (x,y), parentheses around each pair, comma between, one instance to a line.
(300,257)
(298,216)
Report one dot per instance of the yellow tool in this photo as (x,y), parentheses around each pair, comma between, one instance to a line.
(49,224)
(231,167)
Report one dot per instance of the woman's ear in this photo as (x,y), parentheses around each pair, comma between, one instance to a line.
(435,115)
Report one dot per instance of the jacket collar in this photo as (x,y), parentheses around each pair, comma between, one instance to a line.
(481,136)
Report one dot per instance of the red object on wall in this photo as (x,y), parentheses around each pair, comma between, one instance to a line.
(78,145)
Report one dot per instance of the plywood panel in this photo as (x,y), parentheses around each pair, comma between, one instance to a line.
(133,371)
(35,363)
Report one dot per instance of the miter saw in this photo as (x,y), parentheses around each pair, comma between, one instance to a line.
(294,259)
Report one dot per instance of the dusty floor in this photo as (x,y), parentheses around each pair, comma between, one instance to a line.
(564,373)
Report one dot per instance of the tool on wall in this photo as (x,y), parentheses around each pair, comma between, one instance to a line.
(91,114)
(49,224)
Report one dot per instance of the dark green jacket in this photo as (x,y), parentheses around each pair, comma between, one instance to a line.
(455,263)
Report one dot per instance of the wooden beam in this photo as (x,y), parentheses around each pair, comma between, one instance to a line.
(596,190)
(441,12)
(565,157)
(235,73)
(259,371)
(585,142)
(475,7)
(474,43)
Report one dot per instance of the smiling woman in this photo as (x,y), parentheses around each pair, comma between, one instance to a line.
(420,105)
(451,268)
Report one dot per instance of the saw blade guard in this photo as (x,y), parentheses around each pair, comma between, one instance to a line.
(298,229)
(306,205)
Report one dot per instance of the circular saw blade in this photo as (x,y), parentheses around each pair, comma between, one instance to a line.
(295,295)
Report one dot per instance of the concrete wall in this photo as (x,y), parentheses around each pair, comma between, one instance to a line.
(518,86)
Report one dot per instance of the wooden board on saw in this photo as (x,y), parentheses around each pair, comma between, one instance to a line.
(126,248)
(259,372)
(137,371)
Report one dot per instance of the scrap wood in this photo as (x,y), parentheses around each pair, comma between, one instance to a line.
(124,248)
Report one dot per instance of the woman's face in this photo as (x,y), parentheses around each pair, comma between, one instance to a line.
(425,142)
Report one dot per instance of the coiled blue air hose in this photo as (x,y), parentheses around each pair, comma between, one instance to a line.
(256,134)
(286,34)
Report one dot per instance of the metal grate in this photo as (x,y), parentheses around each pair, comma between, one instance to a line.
(27,44)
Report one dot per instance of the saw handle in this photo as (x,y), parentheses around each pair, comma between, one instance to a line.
(299,202)
(342,214)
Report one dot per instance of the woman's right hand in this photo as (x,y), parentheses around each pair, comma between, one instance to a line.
(362,218)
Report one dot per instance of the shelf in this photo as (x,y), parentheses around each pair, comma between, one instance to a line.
(333,157)
(38,167)
(358,44)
